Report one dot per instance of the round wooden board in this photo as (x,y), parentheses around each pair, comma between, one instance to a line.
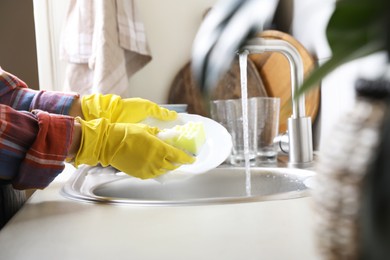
(184,90)
(274,71)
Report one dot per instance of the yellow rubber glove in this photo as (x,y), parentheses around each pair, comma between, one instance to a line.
(130,148)
(118,110)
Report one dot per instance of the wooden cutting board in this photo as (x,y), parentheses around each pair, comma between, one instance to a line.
(230,85)
(184,89)
(274,70)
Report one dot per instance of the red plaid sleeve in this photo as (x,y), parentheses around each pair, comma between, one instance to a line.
(15,93)
(17,133)
(33,145)
(45,158)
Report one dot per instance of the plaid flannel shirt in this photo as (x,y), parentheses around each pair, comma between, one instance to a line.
(35,133)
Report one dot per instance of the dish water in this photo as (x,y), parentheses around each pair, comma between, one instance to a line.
(243,57)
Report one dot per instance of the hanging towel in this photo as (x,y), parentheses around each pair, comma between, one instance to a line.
(104,43)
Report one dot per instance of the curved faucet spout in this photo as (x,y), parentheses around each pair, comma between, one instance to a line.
(260,45)
(299,125)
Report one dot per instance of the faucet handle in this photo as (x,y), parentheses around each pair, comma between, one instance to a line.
(281,143)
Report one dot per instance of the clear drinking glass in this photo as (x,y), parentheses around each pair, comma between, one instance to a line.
(229,114)
(268,111)
(263,127)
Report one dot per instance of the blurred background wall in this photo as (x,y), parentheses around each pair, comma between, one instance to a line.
(17,45)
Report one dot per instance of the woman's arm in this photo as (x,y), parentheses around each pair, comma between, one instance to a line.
(76,140)
(75,108)
(34,145)
(15,93)
(44,158)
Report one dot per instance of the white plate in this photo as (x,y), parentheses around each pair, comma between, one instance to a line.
(215,150)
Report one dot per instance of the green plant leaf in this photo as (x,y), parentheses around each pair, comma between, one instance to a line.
(357,28)
(352,53)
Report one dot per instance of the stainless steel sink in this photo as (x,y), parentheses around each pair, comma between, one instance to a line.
(220,185)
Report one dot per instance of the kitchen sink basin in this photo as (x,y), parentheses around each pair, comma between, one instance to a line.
(223,184)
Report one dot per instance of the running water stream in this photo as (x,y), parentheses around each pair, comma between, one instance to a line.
(244,97)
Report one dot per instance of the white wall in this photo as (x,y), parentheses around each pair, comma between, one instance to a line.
(171,27)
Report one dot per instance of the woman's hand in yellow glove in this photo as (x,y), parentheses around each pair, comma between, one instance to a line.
(130,148)
(118,110)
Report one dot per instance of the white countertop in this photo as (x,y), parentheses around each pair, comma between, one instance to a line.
(50,226)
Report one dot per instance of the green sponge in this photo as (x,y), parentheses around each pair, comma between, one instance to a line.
(189,137)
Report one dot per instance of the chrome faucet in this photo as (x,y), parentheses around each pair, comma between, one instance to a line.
(229,29)
(299,125)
